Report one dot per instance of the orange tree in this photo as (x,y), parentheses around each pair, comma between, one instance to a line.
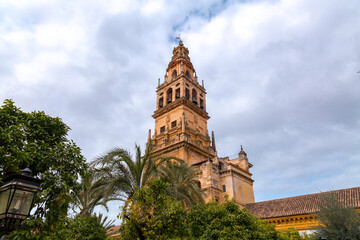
(39,141)
(153,214)
(227,221)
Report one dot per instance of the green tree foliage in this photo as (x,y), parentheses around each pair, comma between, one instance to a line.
(293,234)
(40,142)
(77,228)
(227,221)
(92,193)
(182,183)
(153,214)
(104,221)
(337,221)
(124,175)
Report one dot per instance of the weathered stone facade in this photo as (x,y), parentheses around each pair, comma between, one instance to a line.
(181,131)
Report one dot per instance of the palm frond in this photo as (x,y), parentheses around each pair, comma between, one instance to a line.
(122,175)
(103,220)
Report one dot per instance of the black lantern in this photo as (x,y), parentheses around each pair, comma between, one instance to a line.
(17,196)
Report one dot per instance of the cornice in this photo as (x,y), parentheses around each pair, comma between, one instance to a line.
(185,144)
(181,102)
(180,77)
(239,168)
(225,171)
(176,131)
(177,60)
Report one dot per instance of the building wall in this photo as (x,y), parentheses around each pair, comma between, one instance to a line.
(299,222)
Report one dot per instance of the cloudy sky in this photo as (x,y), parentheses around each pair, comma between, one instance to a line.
(281,76)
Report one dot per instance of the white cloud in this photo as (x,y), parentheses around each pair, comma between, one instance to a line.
(281,78)
(67,36)
(153,7)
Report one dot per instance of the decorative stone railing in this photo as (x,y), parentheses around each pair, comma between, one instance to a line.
(184,138)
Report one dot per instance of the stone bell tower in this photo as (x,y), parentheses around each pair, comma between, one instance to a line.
(180,116)
(181,131)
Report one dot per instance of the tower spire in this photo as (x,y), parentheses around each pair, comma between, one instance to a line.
(213,141)
(180,54)
(149,136)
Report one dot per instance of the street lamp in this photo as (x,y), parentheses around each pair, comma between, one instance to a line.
(17,196)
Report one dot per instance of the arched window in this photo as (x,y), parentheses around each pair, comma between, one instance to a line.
(169,95)
(194,96)
(161,102)
(187,73)
(201,103)
(187,93)
(174,74)
(177,93)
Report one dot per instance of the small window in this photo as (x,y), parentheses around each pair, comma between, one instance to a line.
(194,96)
(177,93)
(221,166)
(162,129)
(174,74)
(173,124)
(161,102)
(169,95)
(187,73)
(187,93)
(201,104)
(224,188)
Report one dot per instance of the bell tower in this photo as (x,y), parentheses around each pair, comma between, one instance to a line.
(181,131)
(180,115)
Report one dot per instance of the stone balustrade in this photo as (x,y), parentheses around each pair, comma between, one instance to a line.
(183,138)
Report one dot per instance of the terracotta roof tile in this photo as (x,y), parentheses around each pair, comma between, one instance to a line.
(299,205)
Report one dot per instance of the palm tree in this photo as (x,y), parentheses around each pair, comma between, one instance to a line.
(124,175)
(103,221)
(92,193)
(183,183)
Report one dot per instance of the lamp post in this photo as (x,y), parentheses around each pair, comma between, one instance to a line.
(17,196)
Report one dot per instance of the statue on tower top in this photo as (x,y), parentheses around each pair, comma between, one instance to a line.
(180,41)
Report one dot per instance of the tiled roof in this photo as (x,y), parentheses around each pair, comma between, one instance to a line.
(299,205)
